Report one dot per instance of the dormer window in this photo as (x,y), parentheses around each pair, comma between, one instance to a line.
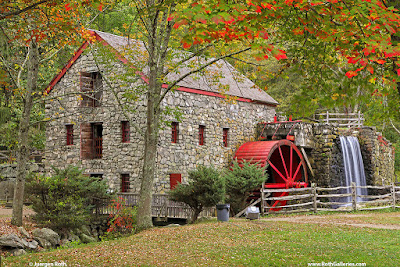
(92,89)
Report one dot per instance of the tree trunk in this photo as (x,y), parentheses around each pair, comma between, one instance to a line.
(150,153)
(23,149)
(196,213)
(144,215)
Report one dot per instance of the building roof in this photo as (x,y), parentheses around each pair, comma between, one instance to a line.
(220,77)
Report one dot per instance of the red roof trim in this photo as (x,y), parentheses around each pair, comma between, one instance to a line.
(144,78)
(57,78)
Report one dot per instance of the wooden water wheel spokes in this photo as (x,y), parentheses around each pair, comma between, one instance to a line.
(286,166)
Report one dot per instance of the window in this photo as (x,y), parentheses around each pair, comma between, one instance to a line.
(99,176)
(124,182)
(70,134)
(98,140)
(174,180)
(125,131)
(201,134)
(174,135)
(91,140)
(91,86)
(225,132)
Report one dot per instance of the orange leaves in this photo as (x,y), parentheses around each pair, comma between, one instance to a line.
(298,31)
(351,74)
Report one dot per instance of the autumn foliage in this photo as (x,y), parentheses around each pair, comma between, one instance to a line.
(122,219)
(362,32)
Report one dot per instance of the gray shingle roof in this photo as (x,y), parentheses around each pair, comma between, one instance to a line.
(218,77)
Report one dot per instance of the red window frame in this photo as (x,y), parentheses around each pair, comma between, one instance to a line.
(124,182)
(174,180)
(70,134)
(125,130)
(225,132)
(174,132)
(201,134)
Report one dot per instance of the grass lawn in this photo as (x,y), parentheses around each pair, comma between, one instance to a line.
(234,243)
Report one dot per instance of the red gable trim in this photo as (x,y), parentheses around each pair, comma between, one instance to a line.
(144,78)
(56,79)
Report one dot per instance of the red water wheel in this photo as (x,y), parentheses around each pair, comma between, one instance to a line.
(286,166)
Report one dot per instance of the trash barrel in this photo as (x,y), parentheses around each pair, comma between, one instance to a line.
(223,212)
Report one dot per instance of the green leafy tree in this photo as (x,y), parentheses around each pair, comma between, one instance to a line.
(205,189)
(240,181)
(67,199)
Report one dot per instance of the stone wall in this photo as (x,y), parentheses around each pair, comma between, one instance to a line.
(378,156)
(126,158)
(327,159)
(7,178)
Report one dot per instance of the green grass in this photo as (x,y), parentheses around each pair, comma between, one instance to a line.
(235,243)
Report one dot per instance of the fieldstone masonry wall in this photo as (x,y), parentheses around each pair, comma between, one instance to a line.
(8,175)
(126,158)
(377,154)
(322,144)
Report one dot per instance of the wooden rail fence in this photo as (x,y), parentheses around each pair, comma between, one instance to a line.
(314,199)
(161,207)
(342,119)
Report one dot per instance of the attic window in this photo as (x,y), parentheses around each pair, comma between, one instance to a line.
(92,89)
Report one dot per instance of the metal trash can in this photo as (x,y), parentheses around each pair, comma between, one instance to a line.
(253,213)
(223,212)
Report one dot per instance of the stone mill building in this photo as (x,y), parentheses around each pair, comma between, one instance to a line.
(92,131)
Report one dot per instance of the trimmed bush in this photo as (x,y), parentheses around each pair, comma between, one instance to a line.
(67,199)
(240,182)
(205,189)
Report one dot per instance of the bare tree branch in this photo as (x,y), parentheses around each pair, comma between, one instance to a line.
(198,70)
(19,11)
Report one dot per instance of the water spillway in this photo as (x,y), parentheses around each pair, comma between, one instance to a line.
(353,165)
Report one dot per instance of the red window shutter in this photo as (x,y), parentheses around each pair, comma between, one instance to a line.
(174,135)
(225,136)
(70,134)
(124,182)
(86,141)
(201,134)
(125,129)
(174,179)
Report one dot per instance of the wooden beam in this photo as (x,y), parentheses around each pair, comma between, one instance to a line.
(251,205)
(307,161)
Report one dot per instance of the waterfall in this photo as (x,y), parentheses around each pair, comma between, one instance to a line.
(353,165)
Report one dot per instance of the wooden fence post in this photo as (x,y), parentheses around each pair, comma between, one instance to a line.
(393,196)
(262,198)
(314,192)
(354,195)
(327,117)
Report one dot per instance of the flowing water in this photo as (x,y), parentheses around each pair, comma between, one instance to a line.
(353,166)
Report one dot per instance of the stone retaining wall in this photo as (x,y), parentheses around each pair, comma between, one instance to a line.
(8,175)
